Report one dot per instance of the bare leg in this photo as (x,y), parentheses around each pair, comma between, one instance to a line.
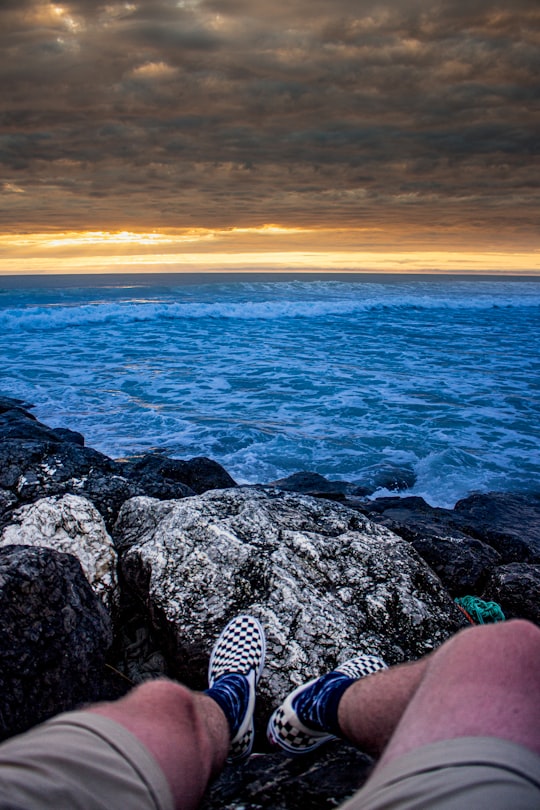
(482,682)
(371,708)
(186,733)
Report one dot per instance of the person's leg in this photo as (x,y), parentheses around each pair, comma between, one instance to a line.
(186,733)
(154,749)
(157,747)
(372,707)
(361,700)
(482,682)
(469,735)
(190,734)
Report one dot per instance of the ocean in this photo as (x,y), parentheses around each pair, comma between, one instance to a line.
(433,378)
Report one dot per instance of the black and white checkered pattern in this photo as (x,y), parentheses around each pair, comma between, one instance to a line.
(285,728)
(240,649)
(240,749)
(361,666)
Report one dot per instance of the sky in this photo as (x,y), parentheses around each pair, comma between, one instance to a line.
(270,134)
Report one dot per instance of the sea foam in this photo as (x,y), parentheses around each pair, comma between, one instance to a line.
(440,376)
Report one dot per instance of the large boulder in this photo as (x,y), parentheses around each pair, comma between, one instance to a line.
(326,582)
(462,562)
(73,525)
(165,478)
(516,587)
(466,545)
(508,522)
(54,635)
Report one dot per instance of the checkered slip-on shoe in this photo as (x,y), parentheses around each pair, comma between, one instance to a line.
(286,730)
(240,650)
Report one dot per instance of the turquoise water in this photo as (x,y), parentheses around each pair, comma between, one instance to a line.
(439,376)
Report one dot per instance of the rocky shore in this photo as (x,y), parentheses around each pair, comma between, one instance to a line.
(114,571)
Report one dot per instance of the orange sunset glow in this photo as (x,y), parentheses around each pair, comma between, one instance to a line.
(242,249)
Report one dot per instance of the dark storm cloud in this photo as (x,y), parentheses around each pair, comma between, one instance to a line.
(226,112)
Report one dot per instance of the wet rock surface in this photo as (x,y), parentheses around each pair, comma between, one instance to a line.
(312,484)
(166,478)
(37,461)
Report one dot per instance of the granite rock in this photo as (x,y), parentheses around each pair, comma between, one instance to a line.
(70,524)
(37,461)
(31,470)
(326,583)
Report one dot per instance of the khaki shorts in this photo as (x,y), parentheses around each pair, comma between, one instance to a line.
(468,773)
(81,761)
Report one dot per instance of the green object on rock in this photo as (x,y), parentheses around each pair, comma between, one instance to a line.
(479,611)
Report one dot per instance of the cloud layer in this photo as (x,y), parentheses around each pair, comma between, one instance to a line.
(406,116)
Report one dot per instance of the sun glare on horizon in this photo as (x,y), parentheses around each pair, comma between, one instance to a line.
(269,247)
